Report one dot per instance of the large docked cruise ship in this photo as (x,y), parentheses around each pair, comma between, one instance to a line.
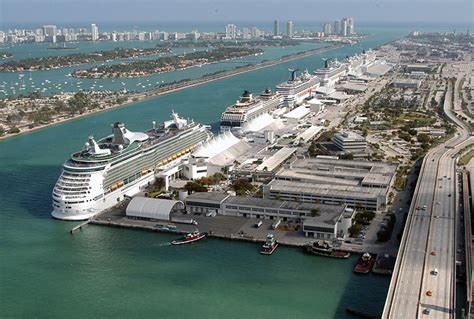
(297,88)
(248,107)
(100,175)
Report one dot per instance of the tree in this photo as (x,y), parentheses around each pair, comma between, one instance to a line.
(355,229)
(160,183)
(14,130)
(423,138)
(194,186)
(242,186)
(315,212)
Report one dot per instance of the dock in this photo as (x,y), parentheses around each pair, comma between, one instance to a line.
(79,226)
(218,227)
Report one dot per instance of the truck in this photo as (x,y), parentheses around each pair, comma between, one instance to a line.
(276,223)
(188,221)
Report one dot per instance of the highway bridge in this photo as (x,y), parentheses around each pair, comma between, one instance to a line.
(423,284)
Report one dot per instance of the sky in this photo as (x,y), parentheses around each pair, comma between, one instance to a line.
(455,12)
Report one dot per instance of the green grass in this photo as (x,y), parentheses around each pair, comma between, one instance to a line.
(464,160)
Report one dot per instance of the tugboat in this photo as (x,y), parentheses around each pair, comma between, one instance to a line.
(270,245)
(364,264)
(189,238)
(323,248)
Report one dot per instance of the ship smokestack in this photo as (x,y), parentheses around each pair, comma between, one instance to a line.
(117,130)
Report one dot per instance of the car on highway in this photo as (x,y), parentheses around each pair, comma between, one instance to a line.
(424,207)
(426,311)
(435,272)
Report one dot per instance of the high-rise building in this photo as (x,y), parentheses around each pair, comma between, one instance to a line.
(94,32)
(231,31)
(50,30)
(289,29)
(254,33)
(350,26)
(276,27)
(246,34)
(344,27)
(337,27)
(327,28)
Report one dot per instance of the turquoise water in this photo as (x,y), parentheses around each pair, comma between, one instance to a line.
(11,83)
(103,272)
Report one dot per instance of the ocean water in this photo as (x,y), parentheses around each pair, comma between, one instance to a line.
(106,272)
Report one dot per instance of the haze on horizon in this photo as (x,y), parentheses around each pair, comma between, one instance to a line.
(458,12)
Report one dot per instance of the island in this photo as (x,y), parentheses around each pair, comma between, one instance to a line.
(52,62)
(216,44)
(166,64)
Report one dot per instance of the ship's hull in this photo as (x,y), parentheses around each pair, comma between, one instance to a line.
(83,191)
(83,212)
(298,95)
(269,250)
(333,254)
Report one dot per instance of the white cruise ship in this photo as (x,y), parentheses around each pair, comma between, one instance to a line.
(332,72)
(248,108)
(104,172)
(296,89)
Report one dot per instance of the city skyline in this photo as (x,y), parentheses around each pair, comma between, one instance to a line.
(388,11)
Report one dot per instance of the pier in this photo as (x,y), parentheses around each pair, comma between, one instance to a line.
(223,228)
(79,227)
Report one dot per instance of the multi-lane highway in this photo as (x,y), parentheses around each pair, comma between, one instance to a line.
(423,282)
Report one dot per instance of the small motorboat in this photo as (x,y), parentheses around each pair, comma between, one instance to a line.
(189,238)
(269,246)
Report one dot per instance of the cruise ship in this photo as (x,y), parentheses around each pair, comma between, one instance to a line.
(332,72)
(297,88)
(248,108)
(105,171)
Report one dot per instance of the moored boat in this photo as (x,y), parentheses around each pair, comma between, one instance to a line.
(269,246)
(364,264)
(189,238)
(323,248)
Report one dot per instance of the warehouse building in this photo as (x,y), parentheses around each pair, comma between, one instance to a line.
(358,184)
(328,226)
(204,203)
(152,208)
(251,207)
(405,83)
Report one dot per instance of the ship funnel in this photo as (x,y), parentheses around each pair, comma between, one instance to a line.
(118,131)
(293,74)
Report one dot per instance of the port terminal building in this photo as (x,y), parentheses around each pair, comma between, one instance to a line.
(319,220)
(350,142)
(357,184)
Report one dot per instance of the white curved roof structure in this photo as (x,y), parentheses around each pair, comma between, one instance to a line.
(152,208)
(258,123)
(135,136)
(217,145)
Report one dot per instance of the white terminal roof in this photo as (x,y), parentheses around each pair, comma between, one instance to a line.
(297,113)
(309,133)
(276,159)
(379,69)
(258,123)
(152,208)
(217,145)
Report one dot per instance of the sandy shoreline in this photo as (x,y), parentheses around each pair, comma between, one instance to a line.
(184,85)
